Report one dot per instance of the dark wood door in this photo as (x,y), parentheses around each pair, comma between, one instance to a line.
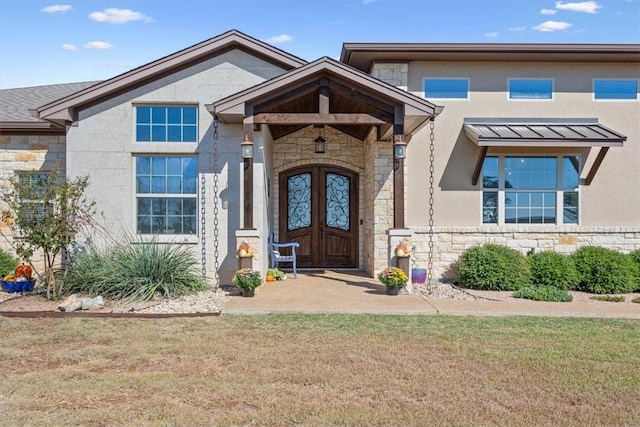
(319,210)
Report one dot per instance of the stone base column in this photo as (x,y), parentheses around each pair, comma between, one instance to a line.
(396,237)
(252,238)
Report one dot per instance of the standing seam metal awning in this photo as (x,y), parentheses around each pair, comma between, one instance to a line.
(552,132)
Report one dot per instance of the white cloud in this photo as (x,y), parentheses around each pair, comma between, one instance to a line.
(56,8)
(282,38)
(585,6)
(518,28)
(548,12)
(68,46)
(98,45)
(491,35)
(113,15)
(550,26)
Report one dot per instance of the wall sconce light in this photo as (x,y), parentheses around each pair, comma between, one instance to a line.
(399,148)
(320,144)
(247,148)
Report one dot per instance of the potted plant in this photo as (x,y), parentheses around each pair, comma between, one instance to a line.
(418,275)
(19,280)
(394,279)
(247,280)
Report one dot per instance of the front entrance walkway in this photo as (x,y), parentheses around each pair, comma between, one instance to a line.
(328,292)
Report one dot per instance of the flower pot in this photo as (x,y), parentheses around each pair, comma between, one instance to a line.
(393,290)
(18,286)
(419,275)
(248,292)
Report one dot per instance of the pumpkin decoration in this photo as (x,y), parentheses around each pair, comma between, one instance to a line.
(243,250)
(402,250)
(9,278)
(270,278)
(23,270)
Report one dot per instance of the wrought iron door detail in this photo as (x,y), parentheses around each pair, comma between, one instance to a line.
(299,201)
(337,201)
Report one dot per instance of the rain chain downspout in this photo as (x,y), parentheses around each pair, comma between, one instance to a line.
(431,181)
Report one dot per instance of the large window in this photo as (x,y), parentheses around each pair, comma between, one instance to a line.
(39,183)
(530,190)
(446,88)
(615,90)
(166,123)
(166,194)
(531,89)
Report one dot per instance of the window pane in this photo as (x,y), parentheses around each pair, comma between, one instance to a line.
(143,115)
(490,207)
(530,89)
(158,165)
(174,165)
(530,172)
(189,115)
(490,172)
(174,133)
(570,172)
(174,115)
(615,89)
(570,207)
(144,207)
(299,201)
(158,133)
(143,184)
(158,115)
(189,134)
(143,133)
(158,184)
(446,88)
(337,206)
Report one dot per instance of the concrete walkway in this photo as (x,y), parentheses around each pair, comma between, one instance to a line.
(353,292)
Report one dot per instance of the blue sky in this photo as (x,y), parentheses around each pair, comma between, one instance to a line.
(47,42)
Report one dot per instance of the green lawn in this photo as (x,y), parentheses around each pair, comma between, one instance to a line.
(320,370)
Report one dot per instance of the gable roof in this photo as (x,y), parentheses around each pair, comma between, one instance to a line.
(62,111)
(297,92)
(16,103)
(364,55)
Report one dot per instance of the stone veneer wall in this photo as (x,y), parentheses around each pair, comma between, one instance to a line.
(396,74)
(24,153)
(450,242)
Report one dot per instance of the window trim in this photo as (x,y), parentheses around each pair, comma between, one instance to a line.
(424,88)
(544,79)
(593,90)
(195,105)
(166,237)
(559,190)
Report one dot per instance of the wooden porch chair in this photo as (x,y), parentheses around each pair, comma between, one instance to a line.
(276,257)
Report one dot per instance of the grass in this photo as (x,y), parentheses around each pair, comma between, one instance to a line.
(320,370)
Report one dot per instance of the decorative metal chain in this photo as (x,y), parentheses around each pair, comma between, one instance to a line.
(203,227)
(216,212)
(431,181)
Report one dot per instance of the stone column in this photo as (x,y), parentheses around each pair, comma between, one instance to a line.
(395,237)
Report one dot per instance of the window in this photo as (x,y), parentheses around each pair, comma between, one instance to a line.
(166,194)
(39,183)
(446,88)
(166,123)
(532,89)
(615,90)
(530,190)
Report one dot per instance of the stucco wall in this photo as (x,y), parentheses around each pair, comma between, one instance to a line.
(103,146)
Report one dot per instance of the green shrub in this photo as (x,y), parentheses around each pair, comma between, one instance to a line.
(492,267)
(543,293)
(136,270)
(635,257)
(553,269)
(604,271)
(7,262)
(609,298)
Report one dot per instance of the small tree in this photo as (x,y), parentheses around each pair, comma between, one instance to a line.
(46,212)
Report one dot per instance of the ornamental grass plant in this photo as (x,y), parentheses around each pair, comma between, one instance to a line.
(135,269)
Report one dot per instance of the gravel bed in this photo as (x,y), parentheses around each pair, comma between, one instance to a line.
(203,302)
(439,290)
